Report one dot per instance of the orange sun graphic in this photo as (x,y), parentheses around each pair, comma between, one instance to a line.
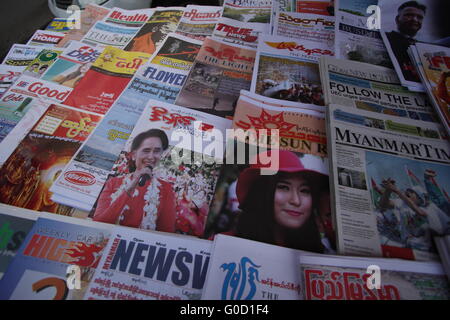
(267,121)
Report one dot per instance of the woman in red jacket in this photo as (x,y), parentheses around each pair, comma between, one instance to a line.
(139,199)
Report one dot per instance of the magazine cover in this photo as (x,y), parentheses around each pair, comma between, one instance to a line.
(219,72)
(42,269)
(282,182)
(72,64)
(128,18)
(165,177)
(357,33)
(21,55)
(254,13)
(152,34)
(140,265)
(372,88)
(390,180)
(45,38)
(236,33)
(15,128)
(106,79)
(15,224)
(198,22)
(8,75)
(42,63)
(433,63)
(404,23)
(248,270)
(40,157)
(61,25)
(160,79)
(288,69)
(88,17)
(20,98)
(348,278)
(304,26)
(104,34)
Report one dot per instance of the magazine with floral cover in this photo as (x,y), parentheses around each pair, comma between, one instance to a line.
(390,183)
(160,79)
(106,79)
(139,265)
(242,269)
(219,72)
(372,88)
(39,158)
(56,261)
(288,69)
(15,223)
(351,278)
(198,22)
(152,34)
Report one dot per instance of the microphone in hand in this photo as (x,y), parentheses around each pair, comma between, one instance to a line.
(143,178)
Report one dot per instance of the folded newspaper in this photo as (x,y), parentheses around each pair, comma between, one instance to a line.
(390,178)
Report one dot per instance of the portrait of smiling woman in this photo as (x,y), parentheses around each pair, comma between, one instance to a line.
(139,199)
(280,209)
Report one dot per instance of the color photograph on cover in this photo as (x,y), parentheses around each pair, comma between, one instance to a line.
(288,79)
(289,209)
(152,191)
(27,175)
(410,200)
(403,23)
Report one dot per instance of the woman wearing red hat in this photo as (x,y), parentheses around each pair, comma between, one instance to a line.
(279,209)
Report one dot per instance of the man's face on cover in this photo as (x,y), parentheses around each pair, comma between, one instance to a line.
(409,20)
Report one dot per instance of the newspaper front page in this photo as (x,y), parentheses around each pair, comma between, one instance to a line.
(372,88)
(390,181)
(349,278)
(354,40)
(288,69)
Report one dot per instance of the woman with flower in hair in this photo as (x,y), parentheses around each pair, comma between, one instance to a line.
(280,209)
(139,199)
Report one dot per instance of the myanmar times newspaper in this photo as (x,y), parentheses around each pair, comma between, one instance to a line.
(328,277)
(390,180)
(140,265)
(372,88)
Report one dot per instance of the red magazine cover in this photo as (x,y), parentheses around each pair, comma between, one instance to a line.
(25,178)
(105,80)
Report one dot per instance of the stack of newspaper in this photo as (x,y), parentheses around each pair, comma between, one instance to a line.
(228,152)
